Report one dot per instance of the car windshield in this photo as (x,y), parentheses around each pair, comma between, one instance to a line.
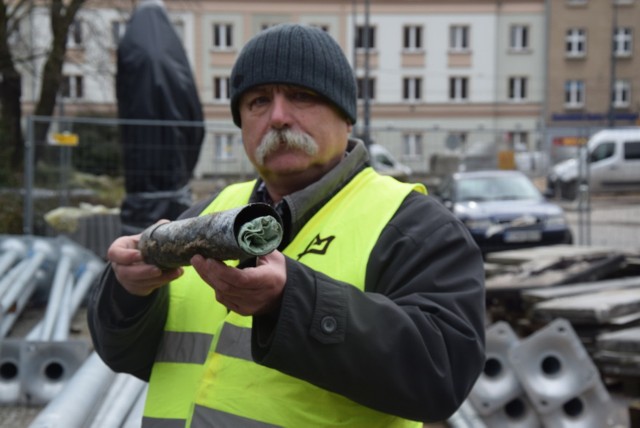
(496,189)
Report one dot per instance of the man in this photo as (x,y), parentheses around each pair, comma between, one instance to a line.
(370,314)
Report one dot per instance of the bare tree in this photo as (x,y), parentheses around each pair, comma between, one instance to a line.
(10,88)
(62,14)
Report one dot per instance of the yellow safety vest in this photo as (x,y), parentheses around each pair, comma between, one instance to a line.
(205,357)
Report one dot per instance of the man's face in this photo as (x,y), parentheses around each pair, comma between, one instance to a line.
(291,133)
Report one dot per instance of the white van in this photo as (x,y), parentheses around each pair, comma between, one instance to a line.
(611,162)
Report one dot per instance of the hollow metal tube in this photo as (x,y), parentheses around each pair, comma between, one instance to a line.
(79,399)
(62,322)
(63,272)
(90,271)
(12,249)
(134,418)
(118,403)
(215,235)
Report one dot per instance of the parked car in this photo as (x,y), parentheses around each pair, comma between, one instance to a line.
(504,210)
(610,163)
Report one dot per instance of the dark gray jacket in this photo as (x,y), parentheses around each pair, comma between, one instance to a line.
(411,345)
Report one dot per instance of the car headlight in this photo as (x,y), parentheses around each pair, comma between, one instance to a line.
(477,223)
(556,220)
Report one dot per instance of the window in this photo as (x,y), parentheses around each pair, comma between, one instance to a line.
(622,42)
(412,37)
(371,88)
(459,38)
(517,88)
(456,140)
(519,140)
(221,88)
(178,25)
(621,96)
(412,144)
(223,146)
(519,38)
(361,34)
(222,36)
(574,93)
(412,88)
(74,35)
(576,42)
(458,88)
(602,151)
(71,87)
(118,29)
(631,150)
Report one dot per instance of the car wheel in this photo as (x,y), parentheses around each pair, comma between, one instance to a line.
(568,190)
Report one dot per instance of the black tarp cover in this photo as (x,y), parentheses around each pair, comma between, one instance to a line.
(154,81)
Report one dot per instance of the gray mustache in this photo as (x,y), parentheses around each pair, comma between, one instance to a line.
(294,140)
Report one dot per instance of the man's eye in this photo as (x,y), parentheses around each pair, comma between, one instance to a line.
(258,101)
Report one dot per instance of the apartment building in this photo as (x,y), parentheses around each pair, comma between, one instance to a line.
(433,76)
(593,61)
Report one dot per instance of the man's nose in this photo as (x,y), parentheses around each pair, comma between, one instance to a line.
(280,111)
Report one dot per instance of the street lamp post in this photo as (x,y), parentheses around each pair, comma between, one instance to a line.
(365,87)
(612,87)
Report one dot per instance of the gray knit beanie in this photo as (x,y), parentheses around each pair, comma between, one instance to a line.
(298,55)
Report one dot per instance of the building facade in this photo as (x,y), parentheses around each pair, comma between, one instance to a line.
(593,61)
(434,77)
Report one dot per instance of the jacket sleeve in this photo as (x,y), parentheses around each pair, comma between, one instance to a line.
(126,330)
(412,344)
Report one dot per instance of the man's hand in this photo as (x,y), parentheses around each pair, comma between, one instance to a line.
(249,291)
(132,272)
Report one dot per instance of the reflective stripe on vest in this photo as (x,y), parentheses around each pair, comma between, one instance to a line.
(203,416)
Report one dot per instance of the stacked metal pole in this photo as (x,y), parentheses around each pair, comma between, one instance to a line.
(35,367)
(96,397)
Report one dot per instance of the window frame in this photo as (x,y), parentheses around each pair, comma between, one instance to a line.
(358,42)
(222,36)
(623,43)
(621,94)
(72,87)
(517,88)
(413,144)
(360,88)
(412,37)
(118,28)
(519,38)
(221,88)
(574,93)
(412,88)
(75,35)
(459,37)
(576,43)
(223,146)
(458,88)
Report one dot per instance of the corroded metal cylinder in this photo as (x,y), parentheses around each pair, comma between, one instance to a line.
(238,233)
